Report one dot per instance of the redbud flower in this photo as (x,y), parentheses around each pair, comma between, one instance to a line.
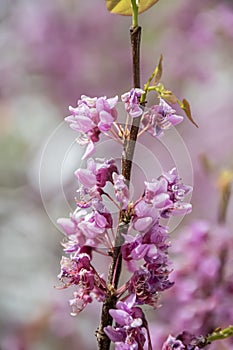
(156,193)
(159,118)
(129,332)
(144,215)
(177,192)
(78,271)
(87,228)
(135,249)
(97,173)
(143,286)
(185,341)
(132,102)
(172,343)
(152,277)
(94,178)
(121,190)
(71,228)
(91,117)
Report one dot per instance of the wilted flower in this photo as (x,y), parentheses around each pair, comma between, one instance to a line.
(79,272)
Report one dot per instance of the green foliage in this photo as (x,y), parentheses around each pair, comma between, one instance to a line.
(165,94)
(156,76)
(123,7)
(158,71)
(220,334)
(186,108)
(169,97)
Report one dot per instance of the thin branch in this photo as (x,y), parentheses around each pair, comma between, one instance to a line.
(127,157)
(220,334)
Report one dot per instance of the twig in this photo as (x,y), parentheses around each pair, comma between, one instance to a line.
(127,157)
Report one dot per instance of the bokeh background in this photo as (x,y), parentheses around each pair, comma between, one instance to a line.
(51,53)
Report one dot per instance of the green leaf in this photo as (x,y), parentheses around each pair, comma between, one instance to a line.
(220,334)
(186,108)
(168,96)
(165,94)
(158,71)
(123,7)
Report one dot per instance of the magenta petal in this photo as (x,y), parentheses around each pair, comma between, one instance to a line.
(89,150)
(130,239)
(130,301)
(100,220)
(80,123)
(125,97)
(84,123)
(135,112)
(86,177)
(114,335)
(175,119)
(67,225)
(161,200)
(142,224)
(152,251)
(181,209)
(131,265)
(70,119)
(89,229)
(120,316)
(112,101)
(106,120)
(101,104)
(140,251)
(166,107)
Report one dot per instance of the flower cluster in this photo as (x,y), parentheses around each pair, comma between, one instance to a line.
(88,225)
(130,330)
(184,341)
(90,228)
(150,245)
(159,118)
(131,100)
(95,116)
(201,298)
(77,270)
(91,117)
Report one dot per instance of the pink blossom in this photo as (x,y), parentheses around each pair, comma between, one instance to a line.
(129,332)
(121,190)
(160,118)
(91,117)
(132,102)
(172,343)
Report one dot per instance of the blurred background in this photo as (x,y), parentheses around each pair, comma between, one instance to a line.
(51,53)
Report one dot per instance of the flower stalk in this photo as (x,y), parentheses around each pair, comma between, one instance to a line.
(219,334)
(127,158)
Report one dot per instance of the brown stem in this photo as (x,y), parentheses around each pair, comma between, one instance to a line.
(127,157)
(129,146)
(135,37)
